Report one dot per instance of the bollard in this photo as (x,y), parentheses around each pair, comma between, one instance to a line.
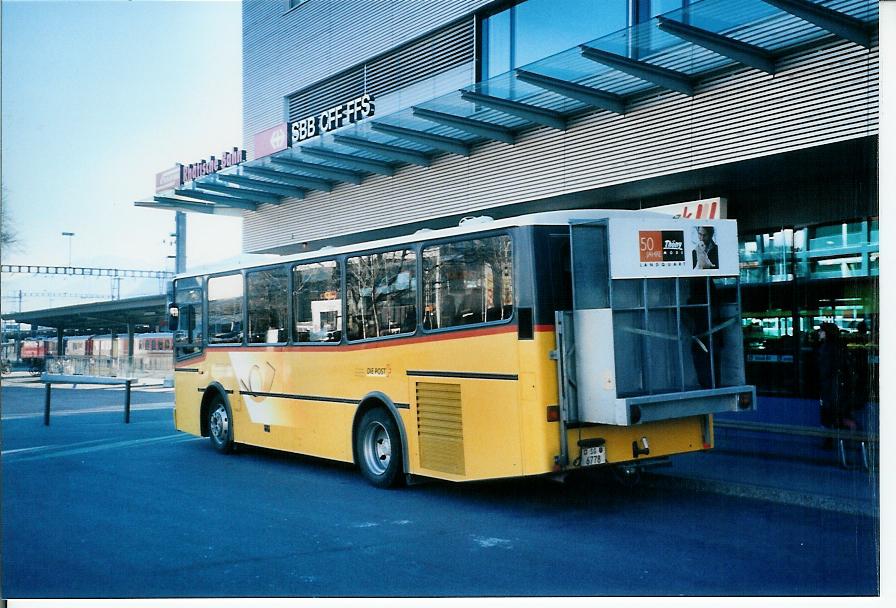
(47,405)
(127,402)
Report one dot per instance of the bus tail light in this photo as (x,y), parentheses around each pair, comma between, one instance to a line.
(553,413)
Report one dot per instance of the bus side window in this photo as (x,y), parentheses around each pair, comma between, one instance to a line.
(266,305)
(317,302)
(382,294)
(188,336)
(467,282)
(225,309)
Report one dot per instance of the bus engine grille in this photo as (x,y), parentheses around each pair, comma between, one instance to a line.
(440,427)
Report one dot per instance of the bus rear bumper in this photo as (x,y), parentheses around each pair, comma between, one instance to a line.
(654,408)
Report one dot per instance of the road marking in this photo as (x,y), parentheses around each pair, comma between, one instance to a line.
(36,383)
(487,542)
(179,438)
(40,447)
(52,447)
(161,405)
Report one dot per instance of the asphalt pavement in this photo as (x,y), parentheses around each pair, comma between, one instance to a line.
(96,508)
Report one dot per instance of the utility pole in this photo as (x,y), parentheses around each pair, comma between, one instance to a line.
(180,242)
(69,235)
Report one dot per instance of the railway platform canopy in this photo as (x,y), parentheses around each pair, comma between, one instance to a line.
(125,316)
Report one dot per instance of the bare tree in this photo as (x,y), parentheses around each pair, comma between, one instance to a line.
(9,237)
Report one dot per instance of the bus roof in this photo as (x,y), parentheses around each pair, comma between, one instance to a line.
(469,225)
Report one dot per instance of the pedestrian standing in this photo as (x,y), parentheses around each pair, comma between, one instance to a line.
(833,379)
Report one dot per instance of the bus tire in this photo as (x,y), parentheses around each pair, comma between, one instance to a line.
(220,425)
(378,446)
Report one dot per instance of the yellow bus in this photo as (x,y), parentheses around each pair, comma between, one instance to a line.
(534,345)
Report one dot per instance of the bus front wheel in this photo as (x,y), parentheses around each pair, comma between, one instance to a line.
(378,446)
(220,425)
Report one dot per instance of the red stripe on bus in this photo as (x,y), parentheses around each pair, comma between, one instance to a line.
(436,337)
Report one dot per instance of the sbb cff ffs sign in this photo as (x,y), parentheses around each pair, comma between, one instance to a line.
(329,120)
(661,246)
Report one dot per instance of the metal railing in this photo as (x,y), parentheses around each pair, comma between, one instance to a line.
(146,366)
(865,440)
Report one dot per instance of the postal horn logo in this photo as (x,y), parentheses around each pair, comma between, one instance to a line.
(260,379)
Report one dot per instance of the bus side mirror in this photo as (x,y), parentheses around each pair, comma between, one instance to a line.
(173,317)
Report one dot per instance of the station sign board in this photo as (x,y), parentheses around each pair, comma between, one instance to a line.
(704,209)
(287,134)
(271,140)
(180,174)
(329,120)
(168,179)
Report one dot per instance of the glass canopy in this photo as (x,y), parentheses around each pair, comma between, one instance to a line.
(671,52)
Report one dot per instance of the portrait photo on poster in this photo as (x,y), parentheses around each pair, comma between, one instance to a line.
(706,251)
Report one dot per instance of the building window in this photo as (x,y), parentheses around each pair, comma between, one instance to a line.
(797,278)
(644,10)
(535,29)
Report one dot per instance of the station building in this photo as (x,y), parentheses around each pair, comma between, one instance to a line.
(371,119)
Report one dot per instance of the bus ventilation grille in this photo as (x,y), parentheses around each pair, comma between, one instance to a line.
(440,427)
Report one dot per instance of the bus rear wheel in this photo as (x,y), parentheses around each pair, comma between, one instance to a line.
(378,446)
(220,425)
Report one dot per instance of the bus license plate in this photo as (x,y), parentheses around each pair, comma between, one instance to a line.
(594,455)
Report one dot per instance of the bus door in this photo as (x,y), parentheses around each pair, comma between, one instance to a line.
(186,323)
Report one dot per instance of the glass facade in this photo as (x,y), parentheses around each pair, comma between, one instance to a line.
(830,251)
(535,29)
(795,279)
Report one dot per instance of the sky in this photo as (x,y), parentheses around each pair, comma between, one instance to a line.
(97,97)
